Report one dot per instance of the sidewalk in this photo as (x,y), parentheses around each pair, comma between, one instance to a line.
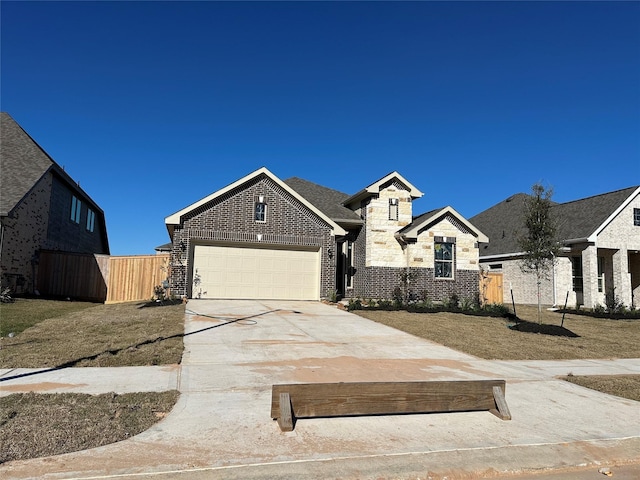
(235,351)
(92,380)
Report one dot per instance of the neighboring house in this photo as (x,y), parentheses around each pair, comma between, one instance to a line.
(264,238)
(600,238)
(164,248)
(41,208)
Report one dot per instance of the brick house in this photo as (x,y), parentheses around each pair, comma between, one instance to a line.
(41,208)
(261,237)
(600,238)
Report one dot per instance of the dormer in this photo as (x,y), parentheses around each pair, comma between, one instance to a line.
(390,198)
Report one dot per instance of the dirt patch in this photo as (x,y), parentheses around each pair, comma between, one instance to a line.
(40,387)
(352,369)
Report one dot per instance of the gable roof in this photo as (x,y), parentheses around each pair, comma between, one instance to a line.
(327,200)
(432,217)
(176,218)
(577,221)
(584,219)
(376,186)
(22,163)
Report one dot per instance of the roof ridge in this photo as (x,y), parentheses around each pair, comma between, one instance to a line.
(316,184)
(599,195)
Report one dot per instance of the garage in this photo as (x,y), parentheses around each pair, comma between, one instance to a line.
(221,271)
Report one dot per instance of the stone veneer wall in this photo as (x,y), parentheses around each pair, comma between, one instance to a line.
(379,272)
(383,250)
(230,219)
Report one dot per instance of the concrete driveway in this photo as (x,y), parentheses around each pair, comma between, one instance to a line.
(235,350)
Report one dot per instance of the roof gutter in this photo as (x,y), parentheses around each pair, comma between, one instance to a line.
(577,240)
(501,255)
(401,238)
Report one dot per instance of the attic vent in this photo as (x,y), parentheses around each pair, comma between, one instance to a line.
(509,199)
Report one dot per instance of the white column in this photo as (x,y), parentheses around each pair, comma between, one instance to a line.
(590,276)
(622,276)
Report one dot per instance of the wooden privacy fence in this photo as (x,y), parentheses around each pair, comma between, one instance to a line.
(491,288)
(101,278)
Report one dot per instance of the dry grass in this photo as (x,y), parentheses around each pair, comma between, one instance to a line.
(490,337)
(627,386)
(26,312)
(36,425)
(65,334)
(99,336)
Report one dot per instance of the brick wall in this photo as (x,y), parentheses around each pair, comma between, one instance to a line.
(25,230)
(379,282)
(65,234)
(230,219)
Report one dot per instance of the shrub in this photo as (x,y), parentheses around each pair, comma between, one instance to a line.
(385,304)
(332,295)
(467,304)
(398,297)
(496,309)
(612,301)
(354,304)
(159,293)
(453,302)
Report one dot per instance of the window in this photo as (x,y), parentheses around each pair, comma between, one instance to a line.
(576,273)
(444,259)
(600,274)
(393,209)
(260,212)
(76,208)
(91,219)
(636,217)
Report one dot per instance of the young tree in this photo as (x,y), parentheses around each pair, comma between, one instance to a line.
(539,240)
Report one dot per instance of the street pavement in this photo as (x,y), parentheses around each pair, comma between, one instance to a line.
(236,350)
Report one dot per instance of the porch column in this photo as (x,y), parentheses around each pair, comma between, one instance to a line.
(590,276)
(622,276)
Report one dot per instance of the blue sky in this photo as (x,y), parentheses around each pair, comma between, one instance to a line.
(151,106)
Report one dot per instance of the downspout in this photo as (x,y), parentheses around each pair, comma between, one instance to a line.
(404,244)
(1,237)
(1,244)
(553,278)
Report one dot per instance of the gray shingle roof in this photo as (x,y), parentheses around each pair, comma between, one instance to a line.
(417,220)
(577,219)
(22,163)
(327,200)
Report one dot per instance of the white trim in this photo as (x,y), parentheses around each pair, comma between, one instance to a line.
(610,218)
(499,256)
(374,189)
(176,218)
(413,231)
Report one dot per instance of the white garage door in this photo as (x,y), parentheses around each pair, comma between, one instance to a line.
(256,273)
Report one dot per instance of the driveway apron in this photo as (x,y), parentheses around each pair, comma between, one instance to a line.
(236,350)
